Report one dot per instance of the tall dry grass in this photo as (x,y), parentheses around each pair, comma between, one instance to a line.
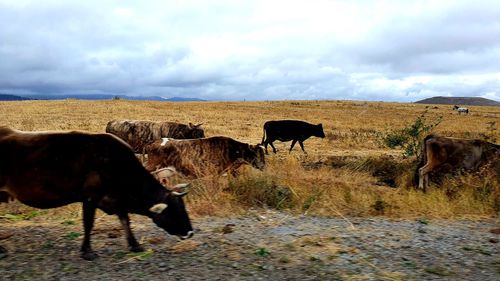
(349,173)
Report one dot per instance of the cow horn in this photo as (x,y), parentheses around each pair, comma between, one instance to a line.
(179,193)
(183,189)
(158,208)
(198,125)
(164,172)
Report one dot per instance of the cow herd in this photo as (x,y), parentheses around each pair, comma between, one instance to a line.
(185,150)
(101,170)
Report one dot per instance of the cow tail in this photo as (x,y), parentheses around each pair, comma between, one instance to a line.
(263,135)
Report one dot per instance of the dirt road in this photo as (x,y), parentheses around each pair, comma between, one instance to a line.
(263,245)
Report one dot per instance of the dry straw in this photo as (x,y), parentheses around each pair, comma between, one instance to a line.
(348,173)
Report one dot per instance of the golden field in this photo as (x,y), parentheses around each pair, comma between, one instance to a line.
(338,175)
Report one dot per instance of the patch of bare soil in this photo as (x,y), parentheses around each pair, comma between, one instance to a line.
(263,245)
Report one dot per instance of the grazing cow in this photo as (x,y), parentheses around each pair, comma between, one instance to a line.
(200,157)
(461,110)
(53,169)
(138,134)
(454,154)
(290,130)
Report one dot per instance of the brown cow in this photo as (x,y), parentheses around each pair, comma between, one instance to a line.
(453,155)
(139,133)
(199,157)
(53,169)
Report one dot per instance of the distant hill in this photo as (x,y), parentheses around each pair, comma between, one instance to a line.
(106,97)
(460,101)
(184,99)
(4,97)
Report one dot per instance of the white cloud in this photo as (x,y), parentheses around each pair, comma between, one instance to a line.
(321,49)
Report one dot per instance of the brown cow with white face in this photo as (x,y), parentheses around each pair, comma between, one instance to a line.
(454,154)
(53,169)
(199,157)
(139,133)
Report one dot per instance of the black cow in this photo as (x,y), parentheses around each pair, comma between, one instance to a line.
(53,169)
(290,130)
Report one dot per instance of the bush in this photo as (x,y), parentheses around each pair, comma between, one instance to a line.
(411,137)
(261,191)
(389,170)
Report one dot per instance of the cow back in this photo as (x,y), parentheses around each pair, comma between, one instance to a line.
(456,154)
(198,157)
(138,133)
(292,129)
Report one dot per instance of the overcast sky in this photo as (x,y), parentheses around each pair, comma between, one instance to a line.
(255,50)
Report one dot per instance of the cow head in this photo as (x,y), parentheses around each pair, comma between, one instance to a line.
(319,131)
(196,131)
(171,215)
(255,156)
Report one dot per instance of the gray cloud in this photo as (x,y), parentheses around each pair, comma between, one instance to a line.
(234,50)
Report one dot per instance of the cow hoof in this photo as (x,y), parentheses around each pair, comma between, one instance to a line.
(136,249)
(90,256)
(3,252)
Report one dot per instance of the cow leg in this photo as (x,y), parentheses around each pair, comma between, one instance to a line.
(3,252)
(293,144)
(133,245)
(274,148)
(88,224)
(426,182)
(302,146)
(420,179)
(423,179)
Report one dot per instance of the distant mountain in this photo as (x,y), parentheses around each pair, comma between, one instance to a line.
(460,101)
(4,97)
(106,97)
(184,99)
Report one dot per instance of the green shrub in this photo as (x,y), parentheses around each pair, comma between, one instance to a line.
(410,138)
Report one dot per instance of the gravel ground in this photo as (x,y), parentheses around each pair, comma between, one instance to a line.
(263,245)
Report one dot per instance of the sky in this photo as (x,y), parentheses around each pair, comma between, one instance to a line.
(378,50)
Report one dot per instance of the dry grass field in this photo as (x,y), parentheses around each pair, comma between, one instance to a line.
(348,173)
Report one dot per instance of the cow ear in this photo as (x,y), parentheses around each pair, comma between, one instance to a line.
(158,208)
(191,125)
(163,175)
